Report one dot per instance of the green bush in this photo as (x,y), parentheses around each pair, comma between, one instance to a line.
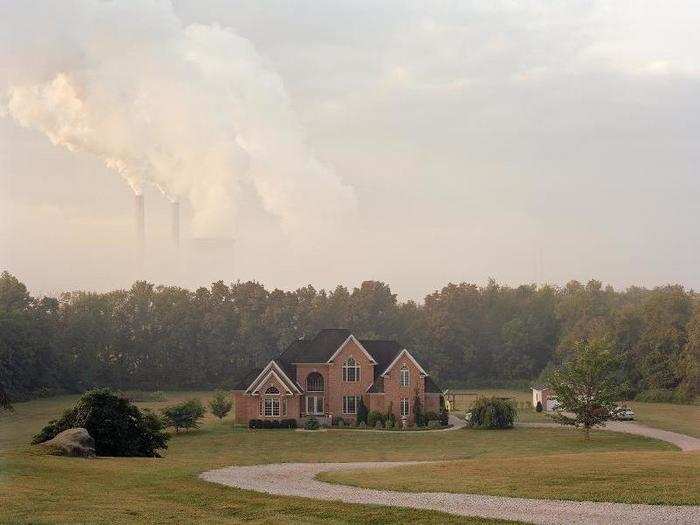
(311,424)
(184,415)
(492,412)
(220,404)
(662,395)
(375,417)
(434,423)
(361,411)
(118,427)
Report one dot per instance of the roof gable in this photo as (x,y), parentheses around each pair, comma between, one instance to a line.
(273,369)
(351,338)
(410,357)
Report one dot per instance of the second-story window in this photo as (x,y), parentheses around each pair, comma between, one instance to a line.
(405,376)
(351,370)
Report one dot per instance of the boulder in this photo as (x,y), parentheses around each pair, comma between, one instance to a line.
(75,442)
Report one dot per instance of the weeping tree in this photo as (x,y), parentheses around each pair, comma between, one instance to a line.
(588,386)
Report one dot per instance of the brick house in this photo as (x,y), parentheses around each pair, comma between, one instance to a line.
(326,376)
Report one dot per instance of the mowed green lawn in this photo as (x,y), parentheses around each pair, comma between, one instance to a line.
(46,489)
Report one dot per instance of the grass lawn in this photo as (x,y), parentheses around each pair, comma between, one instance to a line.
(684,419)
(628,477)
(46,489)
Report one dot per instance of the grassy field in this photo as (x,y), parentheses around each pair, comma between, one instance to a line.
(46,489)
(684,419)
(628,477)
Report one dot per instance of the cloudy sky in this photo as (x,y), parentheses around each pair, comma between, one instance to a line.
(412,142)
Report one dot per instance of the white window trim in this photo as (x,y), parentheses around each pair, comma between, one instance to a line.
(354,340)
(274,403)
(404,401)
(355,367)
(318,405)
(404,382)
(413,360)
(357,402)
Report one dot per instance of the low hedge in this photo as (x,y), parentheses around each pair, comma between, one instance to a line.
(269,424)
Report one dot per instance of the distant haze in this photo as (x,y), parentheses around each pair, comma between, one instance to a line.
(332,142)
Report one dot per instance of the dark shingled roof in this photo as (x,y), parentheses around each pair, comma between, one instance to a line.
(431,386)
(323,346)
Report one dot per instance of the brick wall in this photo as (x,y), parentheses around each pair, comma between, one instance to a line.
(394,392)
(337,388)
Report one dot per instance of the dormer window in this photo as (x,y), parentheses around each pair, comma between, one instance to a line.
(351,370)
(405,376)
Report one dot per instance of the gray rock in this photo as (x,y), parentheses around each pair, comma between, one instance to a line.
(76,442)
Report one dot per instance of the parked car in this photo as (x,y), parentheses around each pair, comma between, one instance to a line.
(624,414)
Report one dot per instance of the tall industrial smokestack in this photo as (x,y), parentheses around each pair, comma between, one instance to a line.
(175,232)
(140,224)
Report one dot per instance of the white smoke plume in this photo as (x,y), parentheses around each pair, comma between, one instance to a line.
(191,110)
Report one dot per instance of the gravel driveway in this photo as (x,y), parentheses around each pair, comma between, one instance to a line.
(298,479)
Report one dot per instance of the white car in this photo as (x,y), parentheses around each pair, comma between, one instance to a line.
(624,414)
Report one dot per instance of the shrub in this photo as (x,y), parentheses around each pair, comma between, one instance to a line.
(539,407)
(311,424)
(184,415)
(220,405)
(379,425)
(418,418)
(444,415)
(289,423)
(434,423)
(118,427)
(362,424)
(390,416)
(430,416)
(375,417)
(255,423)
(492,412)
(662,395)
(361,411)
(339,422)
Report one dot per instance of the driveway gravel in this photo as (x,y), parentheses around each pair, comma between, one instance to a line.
(298,479)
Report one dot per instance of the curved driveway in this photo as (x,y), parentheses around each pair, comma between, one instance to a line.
(298,479)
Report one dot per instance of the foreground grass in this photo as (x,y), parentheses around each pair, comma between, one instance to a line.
(628,477)
(47,489)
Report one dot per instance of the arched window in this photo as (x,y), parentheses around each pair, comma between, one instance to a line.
(351,370)
(270,404)
(405,376)
(314,382)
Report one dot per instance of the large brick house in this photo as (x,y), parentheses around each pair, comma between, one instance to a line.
(326,376)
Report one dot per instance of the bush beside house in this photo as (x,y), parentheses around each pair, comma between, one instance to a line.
(492,412)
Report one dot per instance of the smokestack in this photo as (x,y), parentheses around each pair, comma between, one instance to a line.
(175,232)
(140,223)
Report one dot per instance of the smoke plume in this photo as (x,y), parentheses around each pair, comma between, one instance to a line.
(194,110)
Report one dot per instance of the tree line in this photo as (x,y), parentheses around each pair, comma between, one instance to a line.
(165,337)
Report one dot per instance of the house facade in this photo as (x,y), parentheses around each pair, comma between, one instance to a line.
(326,377)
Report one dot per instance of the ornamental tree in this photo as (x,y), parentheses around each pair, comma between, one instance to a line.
(220,405)
(587,387)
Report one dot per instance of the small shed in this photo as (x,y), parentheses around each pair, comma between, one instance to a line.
(541,394)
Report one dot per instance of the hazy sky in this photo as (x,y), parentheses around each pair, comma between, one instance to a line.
(412,142)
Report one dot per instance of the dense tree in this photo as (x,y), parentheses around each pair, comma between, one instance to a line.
(166,337)
(220,404)
(587,387)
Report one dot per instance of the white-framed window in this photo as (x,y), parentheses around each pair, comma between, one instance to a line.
(404,407)
(351,371)
(314,382)
(405,376)
(314,405)
(270,404)
(350,404)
